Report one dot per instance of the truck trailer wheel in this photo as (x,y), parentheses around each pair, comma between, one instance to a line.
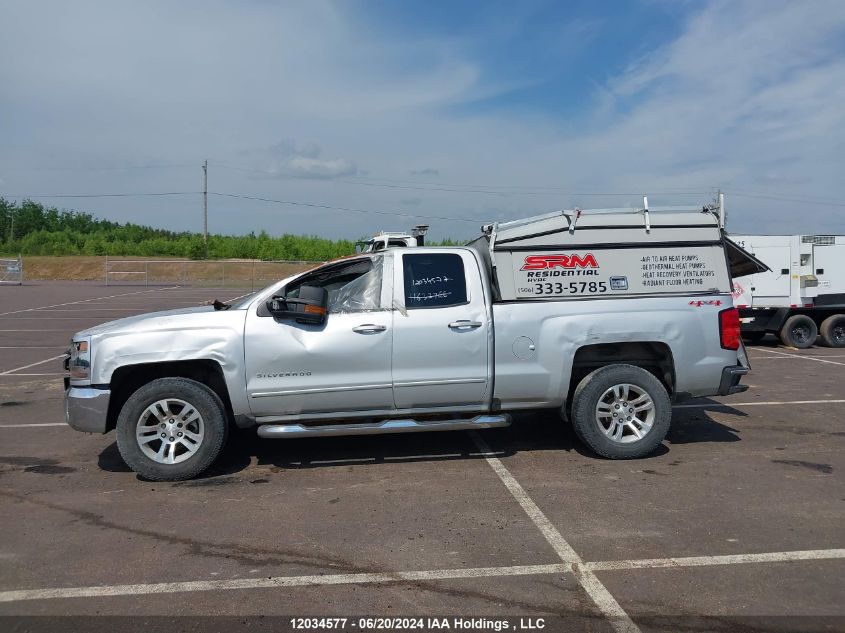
(621,411)
(799,331)
(833,330)
(171,429)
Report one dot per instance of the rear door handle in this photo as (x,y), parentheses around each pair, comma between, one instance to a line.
(463,323)
(369,328)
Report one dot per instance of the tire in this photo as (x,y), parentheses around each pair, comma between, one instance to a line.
(799,331)
(833,330)
(170,406)
(600,432)
(753,337)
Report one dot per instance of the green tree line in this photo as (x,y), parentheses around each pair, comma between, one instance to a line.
(30,228)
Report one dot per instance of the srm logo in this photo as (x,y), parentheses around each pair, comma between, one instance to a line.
(545,262)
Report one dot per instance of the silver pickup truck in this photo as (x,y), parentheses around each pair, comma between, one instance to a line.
(604,317)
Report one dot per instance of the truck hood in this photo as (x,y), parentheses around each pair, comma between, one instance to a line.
(166,319)
(198,333)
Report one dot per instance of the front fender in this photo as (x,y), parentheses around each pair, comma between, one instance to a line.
(214,336)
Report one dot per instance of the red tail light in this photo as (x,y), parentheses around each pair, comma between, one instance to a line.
(729,334)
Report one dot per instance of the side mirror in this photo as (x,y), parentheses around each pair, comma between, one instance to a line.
(310,307)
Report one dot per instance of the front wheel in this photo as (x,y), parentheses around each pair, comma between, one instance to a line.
(621,411)
(171,429)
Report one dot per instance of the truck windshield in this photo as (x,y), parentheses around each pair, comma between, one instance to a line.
(353,286)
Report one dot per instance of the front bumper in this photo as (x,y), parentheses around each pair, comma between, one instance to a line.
(730,380)
(86,408)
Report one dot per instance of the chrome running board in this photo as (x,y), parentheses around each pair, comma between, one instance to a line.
(385,426)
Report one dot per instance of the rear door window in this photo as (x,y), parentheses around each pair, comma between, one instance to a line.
(434,280)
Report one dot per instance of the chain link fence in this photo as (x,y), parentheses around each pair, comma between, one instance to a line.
(11,271)
(237,273)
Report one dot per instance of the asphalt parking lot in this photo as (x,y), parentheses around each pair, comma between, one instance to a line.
(737,523)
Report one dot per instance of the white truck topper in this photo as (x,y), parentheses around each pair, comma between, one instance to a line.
(577,253)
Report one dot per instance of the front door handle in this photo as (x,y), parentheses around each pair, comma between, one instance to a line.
(463,323)
(369,328)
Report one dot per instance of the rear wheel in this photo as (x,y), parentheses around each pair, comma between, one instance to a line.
(171,429)
(833,330)
(621,411)
(799,331)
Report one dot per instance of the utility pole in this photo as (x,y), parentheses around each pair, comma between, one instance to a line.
(205,206)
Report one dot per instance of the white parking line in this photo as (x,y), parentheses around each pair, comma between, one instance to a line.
(133,303)
(733,405)
(47,318)
(32,346)
(579,569)
(70,303)
(40,362)
(815,358)
(278,581)
(730,559)
(607,604)
(803,356)
(58,373)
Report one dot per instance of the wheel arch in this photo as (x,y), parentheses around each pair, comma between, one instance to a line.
(128,378)
(654,356)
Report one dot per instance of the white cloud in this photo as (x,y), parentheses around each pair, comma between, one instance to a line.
(313,168)
(747,97)
(287,160)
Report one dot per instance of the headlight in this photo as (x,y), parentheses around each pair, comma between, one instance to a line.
(79,362)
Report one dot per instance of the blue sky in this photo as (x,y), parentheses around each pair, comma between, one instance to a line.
(473,111)
(553,55)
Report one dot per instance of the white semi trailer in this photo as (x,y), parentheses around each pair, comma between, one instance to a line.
(801,297)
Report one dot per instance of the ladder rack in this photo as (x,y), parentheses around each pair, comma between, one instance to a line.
(572,215)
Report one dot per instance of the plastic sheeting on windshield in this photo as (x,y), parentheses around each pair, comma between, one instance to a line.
(361,294)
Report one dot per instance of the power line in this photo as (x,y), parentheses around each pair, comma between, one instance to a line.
(102,195)
(334,208)
(532,190)
(775,197)
(787,199)
(386,183)
(92,168)
(231,195)
(553,191)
